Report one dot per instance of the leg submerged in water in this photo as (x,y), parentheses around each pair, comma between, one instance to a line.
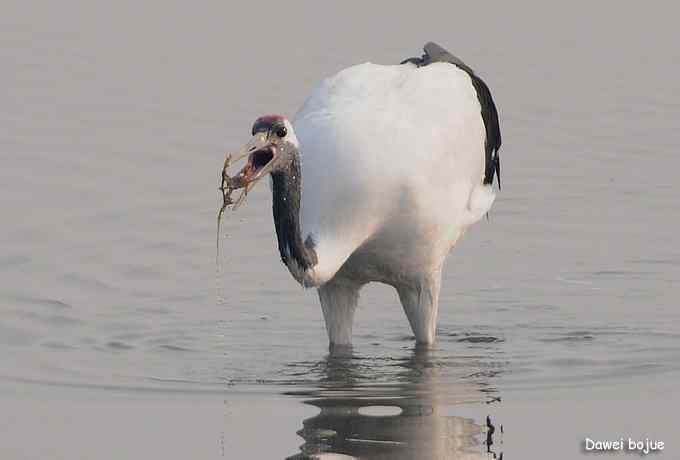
(339,300)
(421,304)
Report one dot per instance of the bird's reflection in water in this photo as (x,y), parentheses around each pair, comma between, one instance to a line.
(405,420)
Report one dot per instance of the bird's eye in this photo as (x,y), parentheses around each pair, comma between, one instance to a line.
(282,131)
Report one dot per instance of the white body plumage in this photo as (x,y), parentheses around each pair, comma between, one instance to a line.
(394,164)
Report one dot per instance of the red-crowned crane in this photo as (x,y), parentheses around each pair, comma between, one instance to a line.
(377,177)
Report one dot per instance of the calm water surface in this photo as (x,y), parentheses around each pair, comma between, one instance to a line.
(118,337)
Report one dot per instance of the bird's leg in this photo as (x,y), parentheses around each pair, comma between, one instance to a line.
(421,303)
(339,302)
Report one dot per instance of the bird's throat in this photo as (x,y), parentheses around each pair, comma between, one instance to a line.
(286,195)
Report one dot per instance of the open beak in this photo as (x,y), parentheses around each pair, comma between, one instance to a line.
(261,154)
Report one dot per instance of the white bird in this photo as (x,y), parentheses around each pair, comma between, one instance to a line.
(379,175)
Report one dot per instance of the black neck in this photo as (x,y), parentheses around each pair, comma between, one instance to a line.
(286,193)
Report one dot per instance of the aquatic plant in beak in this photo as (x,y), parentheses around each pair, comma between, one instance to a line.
(272,146)
(255,151)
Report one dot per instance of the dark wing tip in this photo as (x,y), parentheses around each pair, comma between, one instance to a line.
(438,53)
(434,50)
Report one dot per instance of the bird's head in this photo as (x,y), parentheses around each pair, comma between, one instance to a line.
(272,148)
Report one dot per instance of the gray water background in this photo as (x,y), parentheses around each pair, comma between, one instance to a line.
(115,119)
